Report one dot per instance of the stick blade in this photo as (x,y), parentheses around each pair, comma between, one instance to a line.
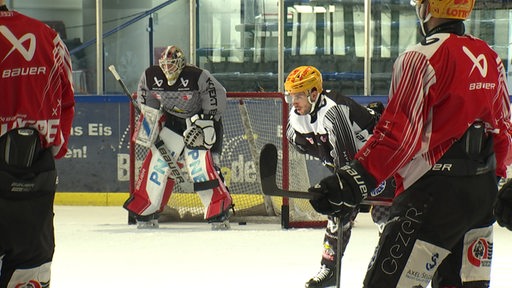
(268,169)
(268,161)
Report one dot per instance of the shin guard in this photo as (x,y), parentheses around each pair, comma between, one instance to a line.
(477,256)
(31,277)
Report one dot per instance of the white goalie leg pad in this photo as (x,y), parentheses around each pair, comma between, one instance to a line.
(156,181)
(32,277)
(174,145)
(154,186)
(208,183)
(173,141)
(477,255)
(160,171)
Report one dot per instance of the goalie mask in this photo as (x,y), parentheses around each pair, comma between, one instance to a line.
(172,62)
(303,79)
(447,9)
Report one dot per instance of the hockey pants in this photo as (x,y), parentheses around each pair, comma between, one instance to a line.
(26,214)
(440,231)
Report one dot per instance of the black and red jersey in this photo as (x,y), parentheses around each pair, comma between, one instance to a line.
(439,88)
(195,91)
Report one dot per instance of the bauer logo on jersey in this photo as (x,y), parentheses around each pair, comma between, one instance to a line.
(158,82)
(479,62)
(184,82)
(18,43)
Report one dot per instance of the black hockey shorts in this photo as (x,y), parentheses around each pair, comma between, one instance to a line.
(26,215)
(428,223)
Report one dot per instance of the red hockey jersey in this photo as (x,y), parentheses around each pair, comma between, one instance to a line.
(35,80)
(439,88)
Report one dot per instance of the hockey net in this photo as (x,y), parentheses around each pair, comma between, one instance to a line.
(251,120)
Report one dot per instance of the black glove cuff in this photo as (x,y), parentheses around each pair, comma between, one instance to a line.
(358,178)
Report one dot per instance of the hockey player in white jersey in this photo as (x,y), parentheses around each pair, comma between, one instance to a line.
(184,105)
(331,127)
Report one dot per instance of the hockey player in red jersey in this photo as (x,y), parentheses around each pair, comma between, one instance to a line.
(445,137)
(192,102)
(36,113)
(332,131)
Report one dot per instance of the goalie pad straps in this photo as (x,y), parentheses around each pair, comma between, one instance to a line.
(210,184)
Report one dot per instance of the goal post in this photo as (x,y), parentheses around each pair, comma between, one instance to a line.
(251,120)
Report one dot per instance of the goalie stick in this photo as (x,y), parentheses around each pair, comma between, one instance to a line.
(249,132)
(113,70)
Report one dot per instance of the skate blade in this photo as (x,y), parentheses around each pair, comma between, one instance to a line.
(147,225)
(220,226)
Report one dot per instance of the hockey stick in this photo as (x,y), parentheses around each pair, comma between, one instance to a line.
(268,171)
(339,247)
(112,69)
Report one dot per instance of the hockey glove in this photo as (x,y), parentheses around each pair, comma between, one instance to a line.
(200,132)
(343,191)
(503,206)
(376,106)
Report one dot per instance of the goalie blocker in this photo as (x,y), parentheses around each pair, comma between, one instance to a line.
(156,180)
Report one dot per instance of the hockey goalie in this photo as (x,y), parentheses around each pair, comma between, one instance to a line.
(181,107)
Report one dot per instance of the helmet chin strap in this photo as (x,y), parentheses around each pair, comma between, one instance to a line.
(312,102)
(423,18)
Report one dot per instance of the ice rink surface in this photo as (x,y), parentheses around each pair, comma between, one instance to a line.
(96,248)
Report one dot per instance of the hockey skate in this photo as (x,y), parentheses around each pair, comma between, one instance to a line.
(325,278)
(221,221)
(148,221)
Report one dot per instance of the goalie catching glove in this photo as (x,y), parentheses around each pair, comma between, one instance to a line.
(200,133)
(342,192)
(503,206)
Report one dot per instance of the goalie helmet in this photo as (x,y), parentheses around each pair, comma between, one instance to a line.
(303,79)
(172,62)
